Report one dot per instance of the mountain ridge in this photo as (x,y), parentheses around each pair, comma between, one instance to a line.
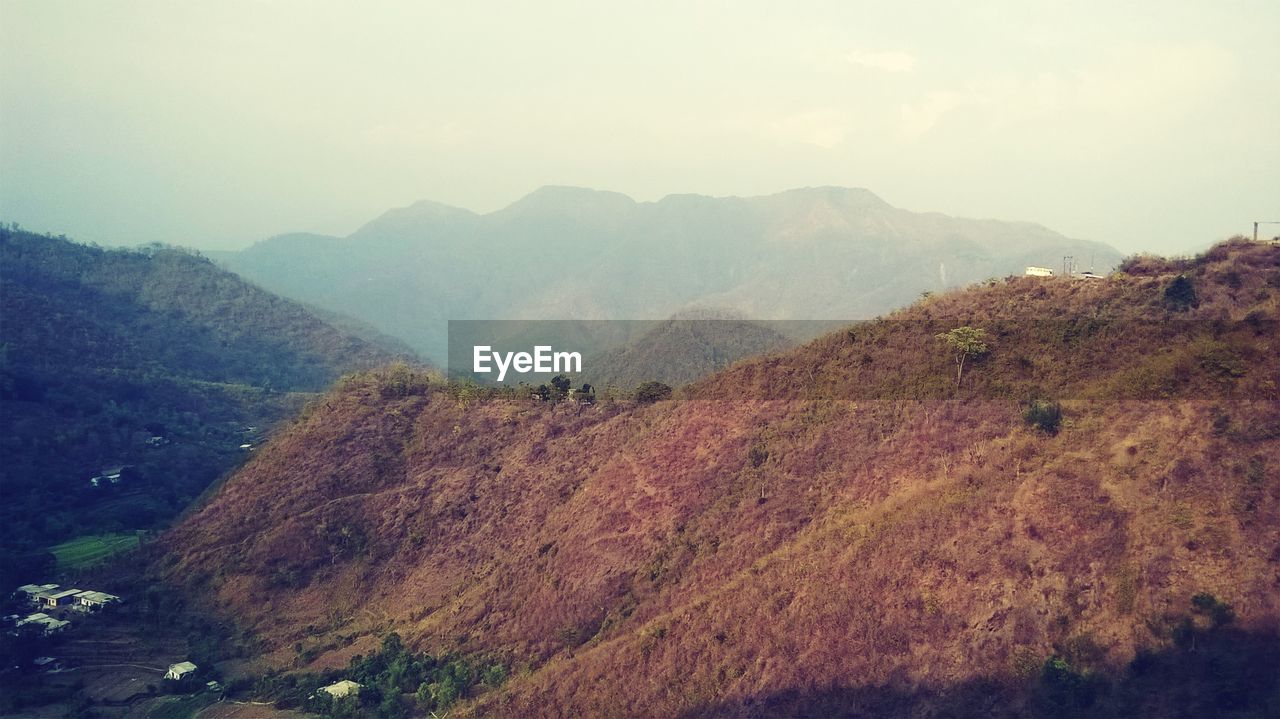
(574,253)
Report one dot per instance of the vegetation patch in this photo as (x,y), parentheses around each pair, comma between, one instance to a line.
(1044,416)
(87,551)
(394,683)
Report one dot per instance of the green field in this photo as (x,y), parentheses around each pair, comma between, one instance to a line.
(87,551)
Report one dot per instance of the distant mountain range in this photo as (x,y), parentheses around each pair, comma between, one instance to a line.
(572,253)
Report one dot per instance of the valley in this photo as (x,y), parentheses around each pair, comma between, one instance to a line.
(573,360)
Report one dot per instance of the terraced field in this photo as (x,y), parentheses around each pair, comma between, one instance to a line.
(89,550)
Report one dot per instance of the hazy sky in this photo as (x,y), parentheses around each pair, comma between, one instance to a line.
(1149,125)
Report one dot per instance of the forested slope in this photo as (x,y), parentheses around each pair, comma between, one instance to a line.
(154,359)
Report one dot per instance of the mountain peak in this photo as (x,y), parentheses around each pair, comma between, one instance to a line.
(411,218)
(559,196)
(841,196)
(431,207)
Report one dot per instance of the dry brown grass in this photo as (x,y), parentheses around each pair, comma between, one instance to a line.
(650,560)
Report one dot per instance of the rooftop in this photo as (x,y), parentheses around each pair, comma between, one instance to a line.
(342,688)
(90,595)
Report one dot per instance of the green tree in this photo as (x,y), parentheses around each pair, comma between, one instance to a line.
(495,675)
(1065,691)
(347,707)
(652,392)
(1218,611)
(424,697)
(446,691)
(392,646)
(1043,415)
(560,386)
(391,708)
(965,343)
(1180,294)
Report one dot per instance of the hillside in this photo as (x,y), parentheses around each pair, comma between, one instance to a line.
(154,359)
(683,349)
(825,542)
(568,253)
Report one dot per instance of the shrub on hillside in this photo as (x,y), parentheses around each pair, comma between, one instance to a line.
(401,380)
(1180,294)
(1063,690)
(652,392)
(1043,415)
(560,386)
(1219,612)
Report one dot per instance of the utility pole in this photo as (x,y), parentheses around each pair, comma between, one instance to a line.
(1068,265)
(1262,222)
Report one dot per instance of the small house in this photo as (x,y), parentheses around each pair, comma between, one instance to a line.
(1039,272)
(344,688)
(177,672)
(90,600)
(55,599)
(33,591)
(44,623)
(109,475)
(47,664)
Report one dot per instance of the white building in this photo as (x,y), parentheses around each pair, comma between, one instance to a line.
(34,590)
(89,600)
(47,664)
(1039,272)
(52,599)
(346,687)
(178,671)
(110,475)
(44,622)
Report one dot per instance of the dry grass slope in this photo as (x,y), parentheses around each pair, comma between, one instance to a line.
(732,557)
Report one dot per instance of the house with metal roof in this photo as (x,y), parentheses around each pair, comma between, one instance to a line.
(44,623)
(61,598)
(346,687)
(32,591)
(90,600)
(180,670)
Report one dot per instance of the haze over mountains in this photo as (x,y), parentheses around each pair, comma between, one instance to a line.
(572,253)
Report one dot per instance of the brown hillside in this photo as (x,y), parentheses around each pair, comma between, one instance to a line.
(731,557)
